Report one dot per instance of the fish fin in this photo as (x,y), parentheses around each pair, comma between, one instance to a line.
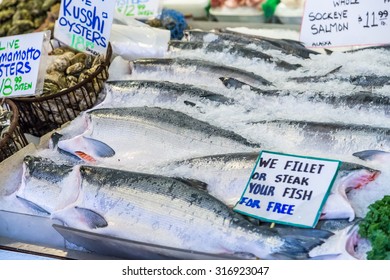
(91,218)
(369,154)
(55,138)
(297,247)
(193,183)
(189,103)
(33,206)
(307,243)
(328,51)
(100,148)
(68,154)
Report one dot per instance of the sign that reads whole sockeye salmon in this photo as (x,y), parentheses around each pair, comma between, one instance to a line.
(331,23)
(21,64)
(288,189)
(85,25)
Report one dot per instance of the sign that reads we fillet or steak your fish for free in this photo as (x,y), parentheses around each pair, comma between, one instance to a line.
(138,8)
(85,25)
(20,64)
(331,23)
(288,189)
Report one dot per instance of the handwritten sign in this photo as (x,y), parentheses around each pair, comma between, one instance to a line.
(288,189)
(20,64)
(85,25)
(138,8)
(331,23)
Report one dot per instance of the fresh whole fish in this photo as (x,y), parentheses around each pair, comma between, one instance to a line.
(209,68)
(358,100)
(237,50)
(288,46)
(149,135)
(167,91)
(366,81)
(228,37)
(149,208)
(226,176)
(338,137)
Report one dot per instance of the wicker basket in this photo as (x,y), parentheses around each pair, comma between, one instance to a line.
(13,140)
(40,115)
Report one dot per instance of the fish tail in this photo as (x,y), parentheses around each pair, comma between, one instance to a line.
(297,247)
(54,139)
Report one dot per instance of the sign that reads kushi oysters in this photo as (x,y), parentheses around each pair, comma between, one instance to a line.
(20,64)
(288,189)
(85,25)
(331,23)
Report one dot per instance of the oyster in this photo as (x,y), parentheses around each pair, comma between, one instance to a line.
(75,68)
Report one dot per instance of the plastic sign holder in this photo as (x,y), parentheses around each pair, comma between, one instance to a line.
(288,189)
(336,23)
(22,68)
(85,25)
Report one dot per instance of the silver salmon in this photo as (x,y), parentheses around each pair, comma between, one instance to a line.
(150,208)
(149,135)
(211,69)
(166,91)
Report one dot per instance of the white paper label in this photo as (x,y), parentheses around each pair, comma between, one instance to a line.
(20,59)
(138,8)
(288,189)
(85,25)
(332,23)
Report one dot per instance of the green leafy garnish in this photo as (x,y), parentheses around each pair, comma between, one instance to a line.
(376,228)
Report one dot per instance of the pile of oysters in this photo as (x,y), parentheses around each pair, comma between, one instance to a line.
(27,16)
(67,70)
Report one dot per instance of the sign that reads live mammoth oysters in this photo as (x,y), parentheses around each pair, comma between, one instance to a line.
(85,25)
(21,64)
(288,189)
(331,23)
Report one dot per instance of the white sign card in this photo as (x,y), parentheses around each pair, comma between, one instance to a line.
(142,9)
(288,189)
(85,25)
(21,64)
(331,23)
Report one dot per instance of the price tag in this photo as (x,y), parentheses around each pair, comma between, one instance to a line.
(334,23)
(85,25)
(142,9)
(21,63)
(288,189)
